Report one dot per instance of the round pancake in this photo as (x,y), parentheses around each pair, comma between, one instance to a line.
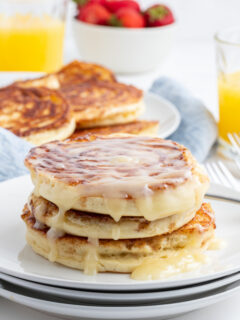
(119,118)
(139,127)
(96,103)
(120,255)
(38,115)
(78,72)
(86,224)
(75,72)
(118,176)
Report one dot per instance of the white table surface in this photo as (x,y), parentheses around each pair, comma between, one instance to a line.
(193,64)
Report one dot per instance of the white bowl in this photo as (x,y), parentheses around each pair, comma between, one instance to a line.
(123,50)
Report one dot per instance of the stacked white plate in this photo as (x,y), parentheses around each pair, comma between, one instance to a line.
(28,279)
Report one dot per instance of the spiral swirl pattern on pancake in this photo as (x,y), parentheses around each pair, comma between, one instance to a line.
(152,164)
(118,175)
(139,127)
(78,72)
(31,111)
(100,99)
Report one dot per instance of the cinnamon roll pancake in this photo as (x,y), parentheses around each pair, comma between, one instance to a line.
(73,73)
(139,127)
(123,256)
(38,115)
(95,97)
(88,224)
(99,103)
(78,72)
(119,176)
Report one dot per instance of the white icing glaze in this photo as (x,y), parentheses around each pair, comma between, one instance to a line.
(113,168)
(91,257)
(181,261)
(39,225)
(53,234)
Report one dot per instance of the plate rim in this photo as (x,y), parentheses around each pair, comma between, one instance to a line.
(69,293)
(132,312)
(171,107)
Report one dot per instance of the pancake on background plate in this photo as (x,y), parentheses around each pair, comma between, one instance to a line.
(75,72)
(99,103)
(138,127)
(118,203)
(38,115)
(95,97)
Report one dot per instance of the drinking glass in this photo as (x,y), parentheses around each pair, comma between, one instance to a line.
(228,65)
(32,34)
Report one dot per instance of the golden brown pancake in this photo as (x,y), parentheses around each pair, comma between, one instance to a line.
(78,72)
(120,255)
(96,98)
(139,127)
(118,176)
(88,224)
(94,103)
(38,115)
(73,73)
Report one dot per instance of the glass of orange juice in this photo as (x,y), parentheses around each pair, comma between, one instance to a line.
(228,64)
(32,34)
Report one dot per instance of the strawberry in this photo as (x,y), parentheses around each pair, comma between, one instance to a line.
(158,15)
(115,5)
(127,17)
(94,13)
(82,3)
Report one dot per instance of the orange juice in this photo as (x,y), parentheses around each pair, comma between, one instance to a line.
(229,103)
(30,43)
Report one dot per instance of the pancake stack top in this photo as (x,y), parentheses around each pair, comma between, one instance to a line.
(118,203)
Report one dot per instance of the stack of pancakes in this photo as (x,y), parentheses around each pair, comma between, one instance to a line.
(94,95)
(80,95)
(110,203)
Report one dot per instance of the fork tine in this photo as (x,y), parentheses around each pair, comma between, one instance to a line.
(229,176)
(221,175)
(209,171)
(233,142)
(212,174)
(237,138)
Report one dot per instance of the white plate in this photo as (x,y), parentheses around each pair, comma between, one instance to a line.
(62,308)
(17,259)
(157,108)
(116,298)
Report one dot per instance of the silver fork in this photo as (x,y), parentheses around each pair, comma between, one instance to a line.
(234,138)
(219,174)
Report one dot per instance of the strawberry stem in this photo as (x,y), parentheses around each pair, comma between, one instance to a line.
(157,13)
(114,21)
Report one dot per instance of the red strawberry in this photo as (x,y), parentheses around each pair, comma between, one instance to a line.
(115,5)
(158,15)
(82,3)
(94,13)
(127,17)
